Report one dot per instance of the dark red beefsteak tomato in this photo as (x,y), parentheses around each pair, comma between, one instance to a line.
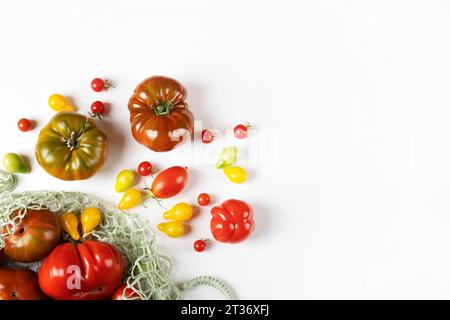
(19,284)
(36,236)
(91,270)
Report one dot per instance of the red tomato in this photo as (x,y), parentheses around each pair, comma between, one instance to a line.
(241,130)
(98,108)
(203,199)
(24,124)
(145,168)
(36,236)
(91,270)
(19,284)
(99,84)
(232,221)
(129,294)
(207,136)
(200,245)
(169,182)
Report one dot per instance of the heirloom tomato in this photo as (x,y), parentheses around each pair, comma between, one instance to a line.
(36,236)
(232,221)
(71,147)
(169,182)
(90,270)
(159,116)
(19,284)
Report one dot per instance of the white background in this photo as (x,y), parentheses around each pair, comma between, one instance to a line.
(349,161)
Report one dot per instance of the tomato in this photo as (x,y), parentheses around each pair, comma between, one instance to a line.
(12,162)
(1,256)
(207,136)
(241,130)
(90,219)
(235,174)
(145,168)
(24,124)
(232,221)
(19,284)
(35,237)
(125,293)
(124,180)
(60,103)
(69,223)
(203,199)
(131,198)
(71,147)
(173,229)
(228,157)
(90,270)
(97,109)
(169,182)
(99,84)
(180,212)
(200,245)
(159,116)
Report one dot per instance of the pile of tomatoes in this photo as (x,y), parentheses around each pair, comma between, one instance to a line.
(70,270)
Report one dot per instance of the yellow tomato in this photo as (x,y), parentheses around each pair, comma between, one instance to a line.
(173,229)
(180,212)
(90,219)
(131,198)
(69,223)
(235,174)
(60,103)
(124,180)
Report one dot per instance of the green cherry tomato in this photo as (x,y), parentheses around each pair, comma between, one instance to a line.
(14,163)
(124,180)
(235,174)
(228,157)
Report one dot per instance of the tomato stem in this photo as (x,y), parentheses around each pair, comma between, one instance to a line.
(163,108)
(72,142)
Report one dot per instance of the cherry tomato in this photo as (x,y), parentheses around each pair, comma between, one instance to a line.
(203,199)
(145,168)
(207,136)
(241,130)
(24,124)
(169,182)
(97,109)
(99,84)
(131,198)
(200,245)
(235,174)
(125,293)
(173,229)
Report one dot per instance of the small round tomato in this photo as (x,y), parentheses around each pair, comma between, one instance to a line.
(241,130)
(200,245)
(207,136)
(24,124)
(145,168)
(99,84)
(125,293)
(97,109)
(203,199)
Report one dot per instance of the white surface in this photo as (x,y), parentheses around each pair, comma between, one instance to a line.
(350,194)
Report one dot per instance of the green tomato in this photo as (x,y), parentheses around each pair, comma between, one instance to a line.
(14,163)
(235,174)
(124,180)
(228,157)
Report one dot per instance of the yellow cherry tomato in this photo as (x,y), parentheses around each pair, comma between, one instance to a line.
(131,198)
(60,103)
(180,212)
(173,229)
(90,219)
(124,180)
(69,223)
(235,174)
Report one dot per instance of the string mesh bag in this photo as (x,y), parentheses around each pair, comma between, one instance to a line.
(148,272)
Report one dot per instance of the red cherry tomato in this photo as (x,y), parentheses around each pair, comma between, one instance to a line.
(241,130)
(145,168)
(24,124)
(98,108)
(90,270)
(203,199)
(232,221)
(99,84)
(207,136)
(128,294)
(169,182)
(200,245)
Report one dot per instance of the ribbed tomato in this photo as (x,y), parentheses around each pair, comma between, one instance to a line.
(159,116)
(90,270)
(35,237)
